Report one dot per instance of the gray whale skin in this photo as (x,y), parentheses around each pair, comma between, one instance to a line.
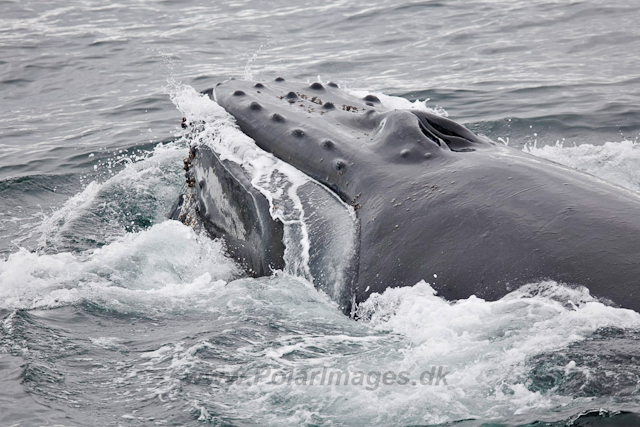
(431,198)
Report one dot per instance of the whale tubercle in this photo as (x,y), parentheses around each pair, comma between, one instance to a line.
(328,144)
(277,118)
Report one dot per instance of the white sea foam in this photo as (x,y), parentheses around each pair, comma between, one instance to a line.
(399,103)
(165,267)
(483,348)
(616,162)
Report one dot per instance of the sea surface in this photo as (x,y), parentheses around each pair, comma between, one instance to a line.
(113,315)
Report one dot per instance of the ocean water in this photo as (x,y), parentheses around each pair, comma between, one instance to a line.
(111,314)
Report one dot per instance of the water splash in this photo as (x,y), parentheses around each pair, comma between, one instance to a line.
(616,162)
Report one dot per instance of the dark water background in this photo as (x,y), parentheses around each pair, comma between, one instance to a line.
(110,312)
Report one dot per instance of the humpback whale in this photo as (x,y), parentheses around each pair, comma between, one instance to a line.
(401,195)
